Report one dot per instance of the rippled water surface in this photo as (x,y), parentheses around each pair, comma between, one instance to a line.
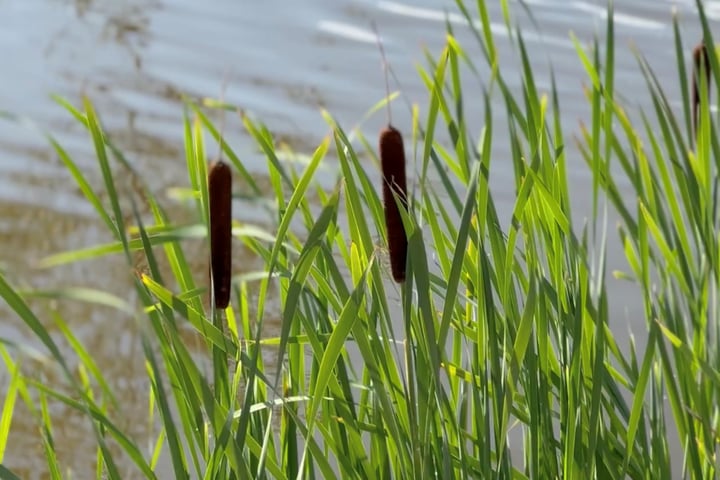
(280,61)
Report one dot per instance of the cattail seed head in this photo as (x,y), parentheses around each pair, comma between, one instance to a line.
(700,61)
(220,193)
(392,159)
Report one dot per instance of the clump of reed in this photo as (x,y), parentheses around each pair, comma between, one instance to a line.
(522,375)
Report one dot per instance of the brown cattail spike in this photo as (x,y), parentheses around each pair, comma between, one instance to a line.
(220,192)
(700,61)
(392,158)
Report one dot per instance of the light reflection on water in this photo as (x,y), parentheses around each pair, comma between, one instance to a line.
(135,58)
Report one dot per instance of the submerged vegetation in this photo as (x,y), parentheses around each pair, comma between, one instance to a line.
(497,361)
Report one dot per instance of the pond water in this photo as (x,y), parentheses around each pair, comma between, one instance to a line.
(280,61)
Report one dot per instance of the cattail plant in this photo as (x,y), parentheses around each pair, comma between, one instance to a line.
(220,192)
(392,162)
(392,159)
(700,61)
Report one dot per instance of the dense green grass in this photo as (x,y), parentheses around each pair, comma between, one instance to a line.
(501,333)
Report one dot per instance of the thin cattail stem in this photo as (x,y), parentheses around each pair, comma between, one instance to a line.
(700,61)
(385,71)
(220,192)
(392,158)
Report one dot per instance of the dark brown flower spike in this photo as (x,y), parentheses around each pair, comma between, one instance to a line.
(392,159)
(392,162)
(220,192)
(700,61)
